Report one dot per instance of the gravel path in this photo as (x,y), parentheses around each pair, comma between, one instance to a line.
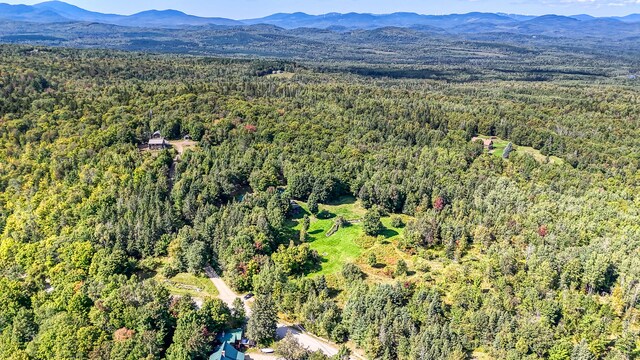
(307,340)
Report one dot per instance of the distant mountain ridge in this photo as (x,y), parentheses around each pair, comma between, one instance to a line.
(58,11)
(61,12)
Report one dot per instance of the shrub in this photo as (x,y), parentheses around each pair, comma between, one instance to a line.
(397,222)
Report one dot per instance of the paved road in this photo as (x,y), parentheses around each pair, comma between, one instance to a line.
(307,340)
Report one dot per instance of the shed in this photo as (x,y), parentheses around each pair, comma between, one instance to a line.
(156,135)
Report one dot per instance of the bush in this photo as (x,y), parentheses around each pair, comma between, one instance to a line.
(401,268)
(169,270)
(372,260)
(351,272)
(397,222)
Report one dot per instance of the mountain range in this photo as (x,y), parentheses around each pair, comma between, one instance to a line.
(61,12)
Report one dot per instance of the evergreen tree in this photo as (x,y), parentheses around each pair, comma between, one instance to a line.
(507,151)
(372,260)
(581,352)
(262,324)
(401,268)
(238,313)
(313,203)
(371,222)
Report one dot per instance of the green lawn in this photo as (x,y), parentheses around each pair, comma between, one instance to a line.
(189,284)
(341,247)
(499,145)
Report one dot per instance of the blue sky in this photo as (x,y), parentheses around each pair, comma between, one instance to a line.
(242,9)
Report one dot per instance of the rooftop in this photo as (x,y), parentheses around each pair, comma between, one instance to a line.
(159,141)
(231,336)
(226,352)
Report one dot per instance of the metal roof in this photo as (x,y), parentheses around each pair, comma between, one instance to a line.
(157,141)
(226,352)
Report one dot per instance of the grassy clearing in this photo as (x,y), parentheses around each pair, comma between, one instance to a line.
(181,284)
(282,75)
(349,243)
(188,284)
(499,145)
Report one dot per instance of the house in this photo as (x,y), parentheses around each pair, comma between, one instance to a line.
(233,337)
(226,352)
(157,142)
(230,341)
(488,143)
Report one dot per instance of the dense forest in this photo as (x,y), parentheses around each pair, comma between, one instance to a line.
(528,254)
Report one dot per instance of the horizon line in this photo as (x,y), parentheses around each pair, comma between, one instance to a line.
(331,12)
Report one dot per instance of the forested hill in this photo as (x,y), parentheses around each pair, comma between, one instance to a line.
(441,55)
(445,250)
(452,41)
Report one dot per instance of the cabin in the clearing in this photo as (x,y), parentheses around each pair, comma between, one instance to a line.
(488,143)
(157,142)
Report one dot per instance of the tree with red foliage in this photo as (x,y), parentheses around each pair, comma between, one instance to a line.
(438,204)
(542,231)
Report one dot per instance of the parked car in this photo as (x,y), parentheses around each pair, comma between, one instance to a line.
(248,296)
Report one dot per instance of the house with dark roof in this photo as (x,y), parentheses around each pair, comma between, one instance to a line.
(157,142)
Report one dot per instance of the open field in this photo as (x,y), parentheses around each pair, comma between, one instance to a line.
(180,284)
(349,243)
(188,284)
(499,145)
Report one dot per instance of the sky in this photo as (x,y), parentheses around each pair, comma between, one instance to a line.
(245,9)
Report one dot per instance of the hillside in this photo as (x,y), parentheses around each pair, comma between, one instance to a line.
(440,247)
